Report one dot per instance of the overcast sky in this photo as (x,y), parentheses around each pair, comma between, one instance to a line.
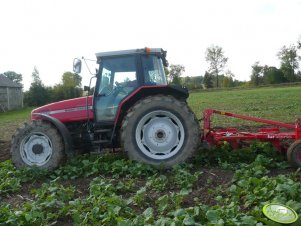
(48,34)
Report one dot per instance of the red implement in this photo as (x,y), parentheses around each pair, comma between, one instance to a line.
(235,138)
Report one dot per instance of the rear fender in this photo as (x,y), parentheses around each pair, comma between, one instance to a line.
(63,131)
(145,91)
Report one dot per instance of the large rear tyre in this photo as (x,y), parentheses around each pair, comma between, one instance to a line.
(37,144)
(161,131)
(294,153)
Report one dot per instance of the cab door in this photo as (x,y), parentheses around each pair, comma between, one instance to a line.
(116,80)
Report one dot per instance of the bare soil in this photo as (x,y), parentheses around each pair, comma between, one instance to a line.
(7,129)
(4,150)
(209,180)
(25,195)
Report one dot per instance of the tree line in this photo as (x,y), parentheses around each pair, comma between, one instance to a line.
(218,76)
(289,64)
(40,94)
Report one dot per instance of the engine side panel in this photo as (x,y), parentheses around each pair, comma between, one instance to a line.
(66,111)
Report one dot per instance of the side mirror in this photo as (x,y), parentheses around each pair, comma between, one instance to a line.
(77,65)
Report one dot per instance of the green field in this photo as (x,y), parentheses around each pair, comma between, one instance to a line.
(10,121)
(282,104)
(217,187)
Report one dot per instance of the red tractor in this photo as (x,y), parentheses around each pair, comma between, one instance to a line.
(132,107)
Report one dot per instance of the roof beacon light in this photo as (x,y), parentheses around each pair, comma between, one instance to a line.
(147,50)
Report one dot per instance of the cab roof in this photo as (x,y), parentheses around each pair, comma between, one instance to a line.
(155,51)
(130,51)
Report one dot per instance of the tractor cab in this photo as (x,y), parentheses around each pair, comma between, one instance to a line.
(120,74)
(123,72)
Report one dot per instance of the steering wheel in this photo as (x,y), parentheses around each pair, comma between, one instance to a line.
(105,91)
(108,90)
(119,88)
(118,84)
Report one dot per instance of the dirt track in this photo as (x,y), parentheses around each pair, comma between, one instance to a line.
(4,150)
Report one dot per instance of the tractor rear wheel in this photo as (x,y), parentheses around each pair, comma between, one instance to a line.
(37,144)
(161,131)
(294,153)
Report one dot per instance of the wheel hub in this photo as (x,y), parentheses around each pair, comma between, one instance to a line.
(36,149)
(160,134)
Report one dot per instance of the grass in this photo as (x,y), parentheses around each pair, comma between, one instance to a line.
(14,115)
(281,104)
(11,120)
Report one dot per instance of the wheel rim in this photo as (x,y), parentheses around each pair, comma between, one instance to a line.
(160,135)
(36,149)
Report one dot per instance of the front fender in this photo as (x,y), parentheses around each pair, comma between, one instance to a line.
(63,131)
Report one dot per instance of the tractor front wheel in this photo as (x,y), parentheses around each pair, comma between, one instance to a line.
(294,153)
(161,131)
(37,144)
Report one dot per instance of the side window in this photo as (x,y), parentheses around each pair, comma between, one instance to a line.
(105,84)
(125,79)
(153,70)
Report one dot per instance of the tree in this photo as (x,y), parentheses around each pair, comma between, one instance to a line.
(228,79)
(299,76)
(186,80)
(217,61)
(37,94)
(166,71)
(193,82)
(175,73)
(70,87)
(17,78)
(71,79)
(257,74)
(208,80)
(289,62)
(273,75)
(197,79)
(36,76)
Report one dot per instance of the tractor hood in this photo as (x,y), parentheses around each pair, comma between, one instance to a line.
(72,110)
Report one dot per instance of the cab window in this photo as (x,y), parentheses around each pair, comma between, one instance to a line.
(153,70)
